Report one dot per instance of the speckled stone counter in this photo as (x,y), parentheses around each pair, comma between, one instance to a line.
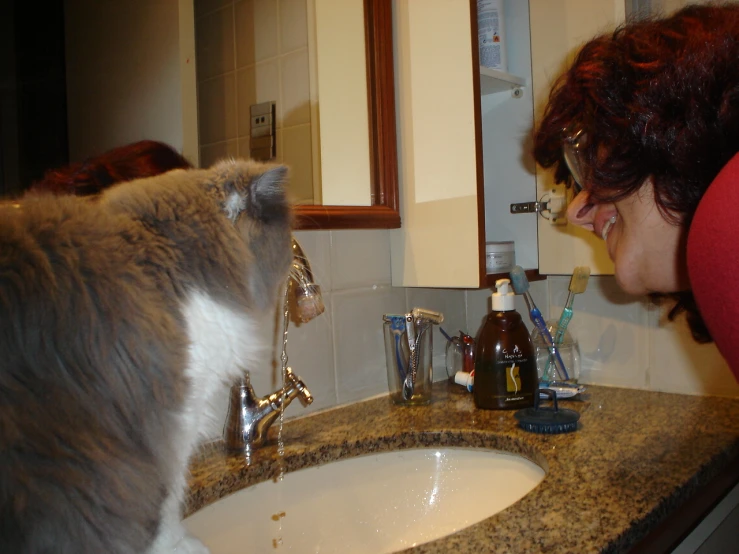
(636,456)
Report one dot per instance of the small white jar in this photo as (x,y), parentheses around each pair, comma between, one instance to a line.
(500,257)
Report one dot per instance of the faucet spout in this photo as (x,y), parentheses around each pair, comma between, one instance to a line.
(307,292)
(249,417)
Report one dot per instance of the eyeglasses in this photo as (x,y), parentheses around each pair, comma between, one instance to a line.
(572,144)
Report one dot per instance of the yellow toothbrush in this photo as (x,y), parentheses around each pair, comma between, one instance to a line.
(578,284)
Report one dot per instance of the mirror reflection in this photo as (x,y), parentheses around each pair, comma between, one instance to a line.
(287,80)
(85,76)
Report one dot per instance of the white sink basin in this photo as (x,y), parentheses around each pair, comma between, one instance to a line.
(371,504)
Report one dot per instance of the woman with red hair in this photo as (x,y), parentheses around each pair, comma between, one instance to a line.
(645,126)
(145,158)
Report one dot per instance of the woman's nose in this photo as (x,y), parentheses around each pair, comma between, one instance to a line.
(581,210)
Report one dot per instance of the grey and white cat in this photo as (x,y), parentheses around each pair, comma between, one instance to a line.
(119,317)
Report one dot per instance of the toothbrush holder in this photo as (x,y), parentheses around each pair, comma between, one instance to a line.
(569,351)
(401,362)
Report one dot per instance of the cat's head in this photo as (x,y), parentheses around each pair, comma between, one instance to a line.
(253,196)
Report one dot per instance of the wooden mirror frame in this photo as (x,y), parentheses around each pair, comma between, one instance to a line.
(383,213)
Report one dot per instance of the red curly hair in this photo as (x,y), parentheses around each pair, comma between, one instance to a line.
(659,98)
(145,158)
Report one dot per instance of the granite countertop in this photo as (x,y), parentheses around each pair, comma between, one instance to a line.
(636,456)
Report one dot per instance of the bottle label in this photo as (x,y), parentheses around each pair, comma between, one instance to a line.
(510,380)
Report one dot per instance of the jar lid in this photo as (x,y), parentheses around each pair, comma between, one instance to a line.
(505,246)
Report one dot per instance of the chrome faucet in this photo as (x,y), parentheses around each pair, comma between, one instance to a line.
(249,418)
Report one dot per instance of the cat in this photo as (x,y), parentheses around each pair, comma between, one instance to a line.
(120,316)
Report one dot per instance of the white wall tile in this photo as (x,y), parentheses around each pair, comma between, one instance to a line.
(246,90)
(317,247)
(358,340)
(266,29)
(215,43)
(293,25)
(479,305)
(611,328)
(295,82)
(310,352)
(245,34)
(211,153)
(267,85)
(206,6)
(297,153)
(449,302)
(217,107)
(243,147)
(360,259)
(678,364)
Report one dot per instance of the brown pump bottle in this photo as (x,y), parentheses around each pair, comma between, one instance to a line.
(505,363)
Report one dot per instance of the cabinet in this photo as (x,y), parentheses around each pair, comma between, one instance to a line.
(465,139)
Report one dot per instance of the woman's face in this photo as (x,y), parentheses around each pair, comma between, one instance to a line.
(647,250)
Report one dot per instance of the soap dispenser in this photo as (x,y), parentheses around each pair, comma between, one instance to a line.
(505,364)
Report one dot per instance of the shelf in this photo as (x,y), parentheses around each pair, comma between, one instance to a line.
(492,81)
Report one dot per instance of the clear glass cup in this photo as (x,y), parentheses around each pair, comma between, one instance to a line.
(569,352)
(404,388)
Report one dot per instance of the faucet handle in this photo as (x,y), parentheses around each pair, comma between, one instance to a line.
(304,395)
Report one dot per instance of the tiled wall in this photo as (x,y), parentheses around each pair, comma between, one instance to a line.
(252,51)
(340,355)
(628,342)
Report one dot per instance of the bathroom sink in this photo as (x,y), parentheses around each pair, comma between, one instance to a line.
(374,503)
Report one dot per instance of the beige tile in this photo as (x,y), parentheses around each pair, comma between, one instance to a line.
(317,246)
(451,303)
(295,79)
(217,109)
(203,7)
(266,29)
(358,340)
(214,42)
(479,305)
(243,143)
(293,25)
(612,329)
(679,364)
(267,85)
(244,13)
(246,91)
(311,356)
(212,153)
(360,259)
(297,154)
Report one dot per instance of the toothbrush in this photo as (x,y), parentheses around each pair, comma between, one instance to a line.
(521,286)
(578,284)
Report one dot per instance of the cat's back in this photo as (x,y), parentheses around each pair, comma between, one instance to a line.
(86,347)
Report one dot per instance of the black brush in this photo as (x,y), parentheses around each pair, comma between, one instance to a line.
(548,421)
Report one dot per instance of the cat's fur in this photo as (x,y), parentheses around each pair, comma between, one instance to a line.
(119,316)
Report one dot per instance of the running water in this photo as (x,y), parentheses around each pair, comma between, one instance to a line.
(277,542)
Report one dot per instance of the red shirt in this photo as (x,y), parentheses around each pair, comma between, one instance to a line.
(713,261)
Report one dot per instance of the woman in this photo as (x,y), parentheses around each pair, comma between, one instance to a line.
(645,126)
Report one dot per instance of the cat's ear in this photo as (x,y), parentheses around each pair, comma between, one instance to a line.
(267,198)
(255,188)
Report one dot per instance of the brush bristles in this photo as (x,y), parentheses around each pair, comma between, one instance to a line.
(519,280)
(579,280)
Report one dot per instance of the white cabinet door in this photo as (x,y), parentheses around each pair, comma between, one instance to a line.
(443,156)
(438,244)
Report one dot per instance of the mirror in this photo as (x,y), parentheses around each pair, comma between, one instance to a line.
(120,90)
(304,82)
